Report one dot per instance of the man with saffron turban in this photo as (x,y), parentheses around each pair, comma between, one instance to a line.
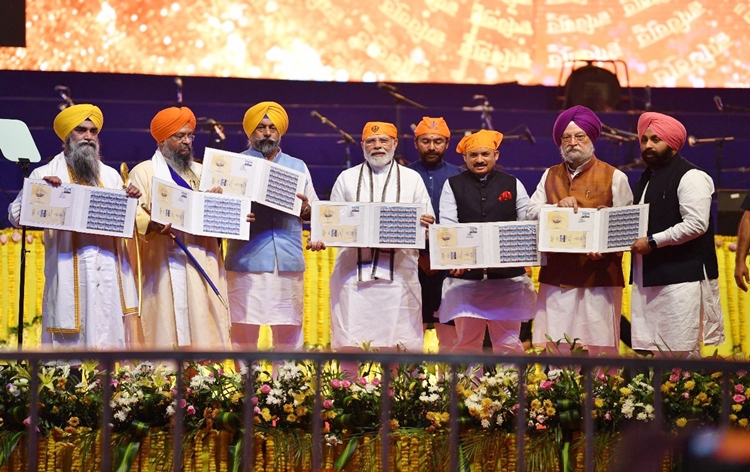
(580,295)
(90,299)
(498,299)
(431,138)
(375,294)
(178,307)
(675,305)
(266,274)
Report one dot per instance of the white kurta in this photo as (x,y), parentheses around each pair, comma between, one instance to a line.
(511,299)
(89,285)
(178,307)
(384,313)
(591,314)
(678,317)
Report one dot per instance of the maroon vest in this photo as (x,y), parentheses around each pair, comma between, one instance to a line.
(592,188)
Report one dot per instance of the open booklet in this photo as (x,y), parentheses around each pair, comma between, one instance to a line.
(591,230)
(484,245)
(78,208)
(355,224)
(259,180)
(200,213)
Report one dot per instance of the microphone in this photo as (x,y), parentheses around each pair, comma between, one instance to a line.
(64,92)
(178,82)
(719,103)
(527,134)
(480,97)
(317,115)
(217,127)
(647,89)
(383,85)
(693,141)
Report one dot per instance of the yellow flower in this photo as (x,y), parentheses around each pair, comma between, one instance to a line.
(743,422)
(701,397)
(266,414)
(547,403)
(598,402)
(288,408)
(625,391)
(681,422)
(2,422)
(299,398)
(237,397)
(394,424)
(74,421)
(550,411)
(690,384)
(733,417)
(531,388)
(301,410)
(536,404)
(616,379)
(667,386)
(716,375)
(291,418)
(329,415)
(736,407)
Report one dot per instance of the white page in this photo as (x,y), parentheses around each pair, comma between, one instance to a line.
(262,181)
(78,208)
(458,246)
(171,203)
(339,224)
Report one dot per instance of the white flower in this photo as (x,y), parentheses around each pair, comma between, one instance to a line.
(13,390)
(121,415)
(485,423)
(170,410)
(554,374)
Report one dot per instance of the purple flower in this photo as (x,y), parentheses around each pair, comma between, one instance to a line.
(265,389)
(739,398)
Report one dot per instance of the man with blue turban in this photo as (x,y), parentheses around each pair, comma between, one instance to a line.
(90,299)
(266,274)
(580,295)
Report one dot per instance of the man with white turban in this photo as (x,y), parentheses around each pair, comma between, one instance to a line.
(675,305)
(375,294)
(178,307)
(266,274)
(90,299)
(580,295)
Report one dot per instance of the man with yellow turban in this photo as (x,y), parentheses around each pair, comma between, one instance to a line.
(375,293)
(90,299)
(266,274)
(178,307)
(431,138)
(675,305)
(498,299)
(580,295)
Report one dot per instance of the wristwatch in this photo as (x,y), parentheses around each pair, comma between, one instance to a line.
(651,242)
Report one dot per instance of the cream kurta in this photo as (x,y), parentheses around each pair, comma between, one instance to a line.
(178,307)
(384,313)
(89,285)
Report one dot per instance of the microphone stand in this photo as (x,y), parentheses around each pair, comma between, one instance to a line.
(485,110)
(619,137)
(346,140)
(398,99)
(24,164)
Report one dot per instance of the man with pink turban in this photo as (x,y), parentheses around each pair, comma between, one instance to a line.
(498,299)
(178,307)
(90,299)
(580,295)
(675,304)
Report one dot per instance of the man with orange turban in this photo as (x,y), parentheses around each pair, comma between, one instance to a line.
(675,305)
(431,138)
(580,295)
(266,274)
(90,298)
(178,307)
(375,293)
(498,299)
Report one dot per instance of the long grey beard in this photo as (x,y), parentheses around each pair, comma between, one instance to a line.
(83,157)
(265,146)
(179,162)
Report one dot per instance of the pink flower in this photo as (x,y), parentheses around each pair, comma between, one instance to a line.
(254,400)
(256,410)
(363,381)
(741,373)
(674,378)
(739,387)
(113,383)
(183,403)
(739,398)
(685,374)
(265,389)
(376,381)
(336,383)
(686,395)
(608,417)
(546,385)
(346,384)
(191,410)
(327,404)
(390,392)
(27,421)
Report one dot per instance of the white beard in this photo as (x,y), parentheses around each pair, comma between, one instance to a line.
(378,162)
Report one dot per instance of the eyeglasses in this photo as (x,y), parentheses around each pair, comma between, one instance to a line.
(580,138)
(183,137)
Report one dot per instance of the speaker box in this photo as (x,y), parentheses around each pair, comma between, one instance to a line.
(730,211)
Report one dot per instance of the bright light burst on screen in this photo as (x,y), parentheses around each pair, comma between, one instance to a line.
(682,43)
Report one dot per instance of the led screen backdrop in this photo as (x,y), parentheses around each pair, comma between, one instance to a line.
(702,43)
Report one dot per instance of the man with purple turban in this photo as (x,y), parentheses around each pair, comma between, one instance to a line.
(90,299)
(675,303)
(178,307)
(580,295)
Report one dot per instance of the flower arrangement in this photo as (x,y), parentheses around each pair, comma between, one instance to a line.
(740,414)
(616,401)
(691,398)
(142,396)
(284,402)
(491,399)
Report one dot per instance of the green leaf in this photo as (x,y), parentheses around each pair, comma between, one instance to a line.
(463,463)
(8,443)
(345,456)
(125,456)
